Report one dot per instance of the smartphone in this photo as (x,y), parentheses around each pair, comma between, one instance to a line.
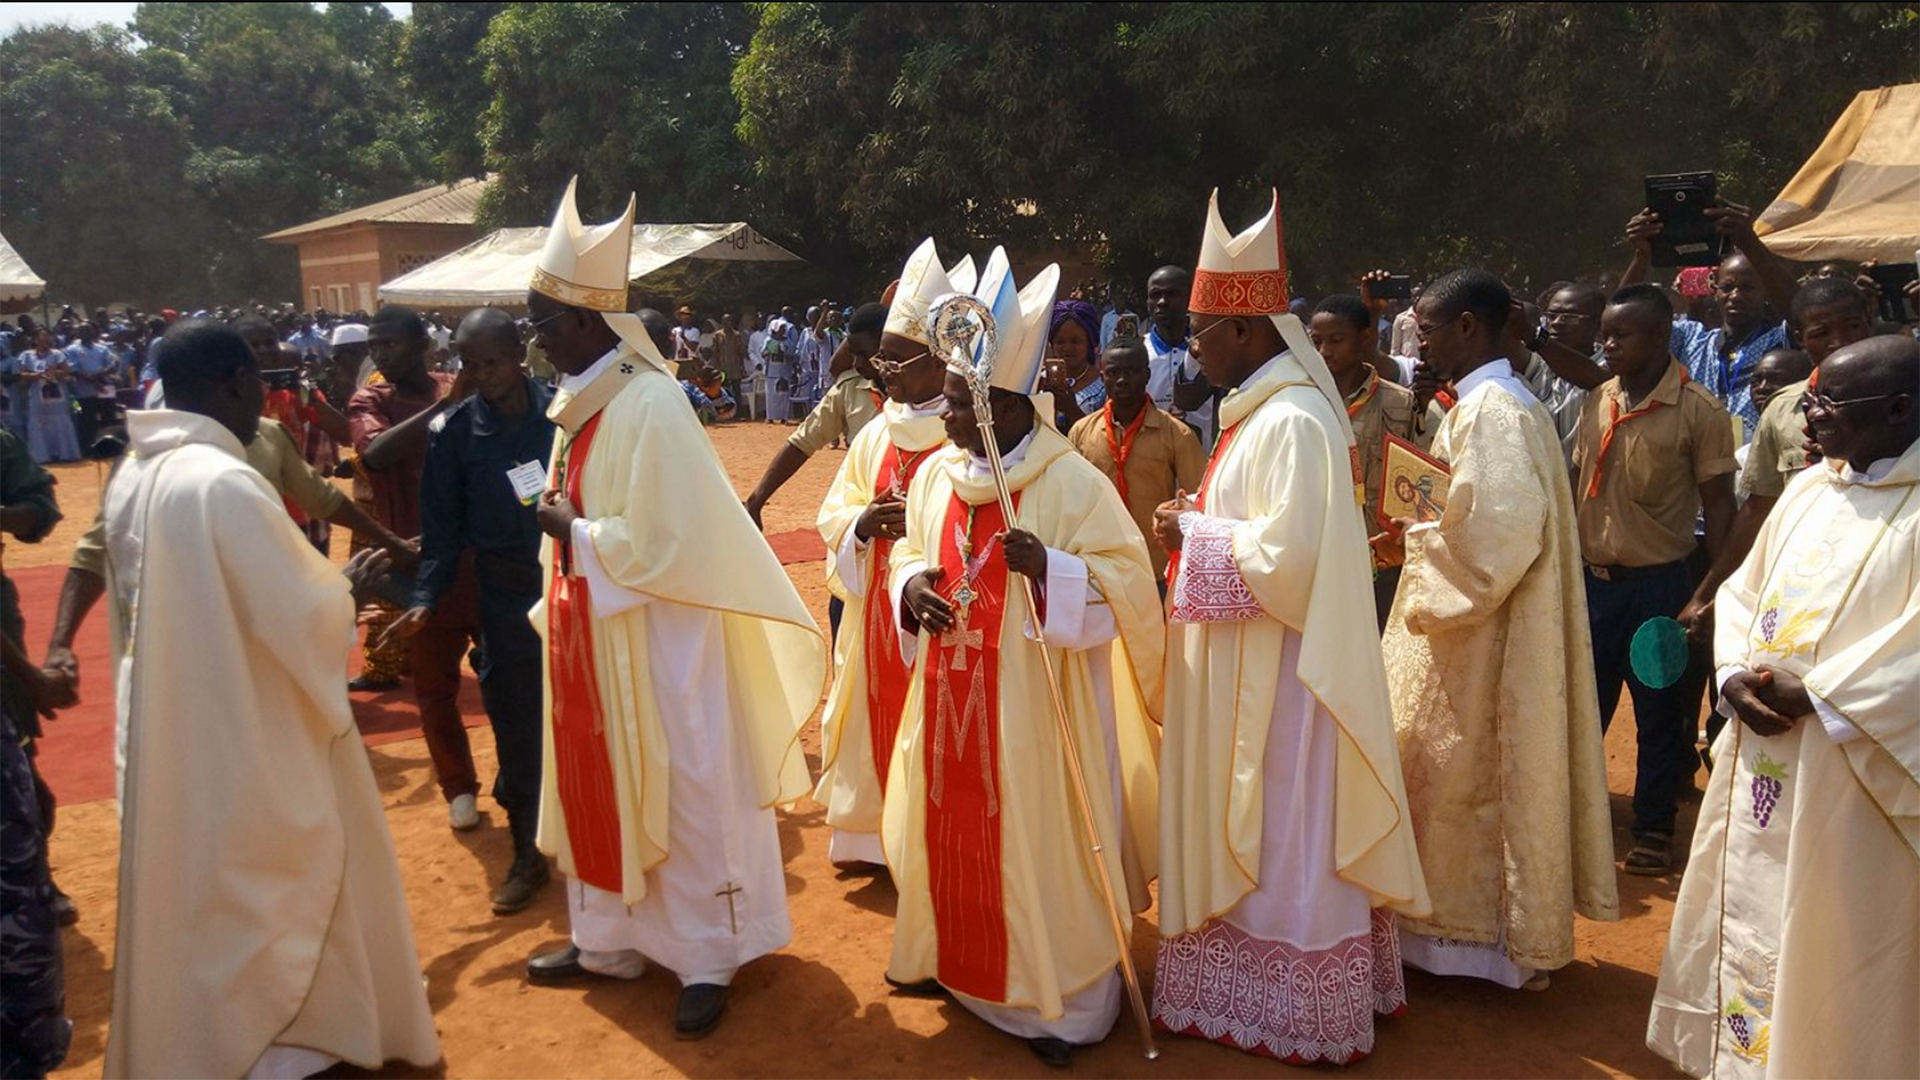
(281,378)
(1395,287)
(1687,236)
(1893,279)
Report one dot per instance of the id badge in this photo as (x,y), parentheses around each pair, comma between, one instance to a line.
(528,481)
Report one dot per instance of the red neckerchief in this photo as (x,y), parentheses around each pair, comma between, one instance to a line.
(1122,448)
(1614,420)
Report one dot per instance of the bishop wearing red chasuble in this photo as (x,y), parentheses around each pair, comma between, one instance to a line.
(861,517)
(681,662)
(999,904)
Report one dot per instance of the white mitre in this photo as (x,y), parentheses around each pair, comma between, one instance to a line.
(587,268)
(1245,276)
(922,281)
(1022,317)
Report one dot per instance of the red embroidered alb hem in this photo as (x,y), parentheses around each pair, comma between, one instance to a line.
(1270,998)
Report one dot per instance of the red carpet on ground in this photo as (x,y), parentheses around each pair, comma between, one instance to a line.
(798,545)
(76,756)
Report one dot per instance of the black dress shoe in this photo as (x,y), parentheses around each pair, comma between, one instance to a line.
(364,685)
(559,965)
(701,1005)
(1056,1053)
(925,988)
(524,881)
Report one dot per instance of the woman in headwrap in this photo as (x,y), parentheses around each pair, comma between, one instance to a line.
(1073,370)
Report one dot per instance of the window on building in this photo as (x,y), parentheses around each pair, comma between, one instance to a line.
(409,263)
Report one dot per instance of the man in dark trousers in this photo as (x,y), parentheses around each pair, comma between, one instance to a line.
(485,467)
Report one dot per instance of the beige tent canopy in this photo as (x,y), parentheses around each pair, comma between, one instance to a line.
(1858,196)
(17,279)
(494,270)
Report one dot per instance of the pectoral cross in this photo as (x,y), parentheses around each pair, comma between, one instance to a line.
(960,639)
(733,920)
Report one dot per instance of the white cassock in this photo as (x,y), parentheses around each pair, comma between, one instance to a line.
(262,927)
(701,662)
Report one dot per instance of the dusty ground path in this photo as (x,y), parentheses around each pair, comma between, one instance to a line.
(820,1007)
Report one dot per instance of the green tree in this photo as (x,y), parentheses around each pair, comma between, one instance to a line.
(288,123)
(893,120)
(633,97)
(448,77)
(94,191)
(1415,136)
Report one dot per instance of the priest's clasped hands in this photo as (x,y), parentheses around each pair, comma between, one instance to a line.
(1767,699)
(1166,521)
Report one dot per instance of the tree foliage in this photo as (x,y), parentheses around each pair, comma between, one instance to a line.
(143,162)
(633,97)
(199,129)
(1418,136)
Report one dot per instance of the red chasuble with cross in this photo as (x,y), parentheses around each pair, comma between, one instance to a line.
(887,676)
(962,686)
(582,766)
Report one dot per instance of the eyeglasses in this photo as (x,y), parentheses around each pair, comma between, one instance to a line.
(1811,401)
(1198,334)
(535,325)
(895,367)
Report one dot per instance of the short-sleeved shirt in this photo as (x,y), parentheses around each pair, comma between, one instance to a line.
(1729,379)
(375,408)
(1642,511)
(274,455)
(95,371)
(852,403)
(1166,458)
(1778,451)
(1377,409)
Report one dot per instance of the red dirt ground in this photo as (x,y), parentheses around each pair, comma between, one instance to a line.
(818,1008)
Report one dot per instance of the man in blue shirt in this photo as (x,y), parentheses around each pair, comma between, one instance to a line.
(1722,358)
(485,467)
(312,343)
(96,373)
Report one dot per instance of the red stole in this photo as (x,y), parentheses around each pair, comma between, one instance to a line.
(583,770)
(962,755)
(887,677)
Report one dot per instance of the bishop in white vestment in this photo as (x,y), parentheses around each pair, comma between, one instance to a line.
(863,514)
(1284,830)
(681,662)
(999,902)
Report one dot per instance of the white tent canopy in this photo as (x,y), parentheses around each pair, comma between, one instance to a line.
(494,270)
(17,279)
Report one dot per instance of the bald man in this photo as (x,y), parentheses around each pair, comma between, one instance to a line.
(1803,891)
(485,466)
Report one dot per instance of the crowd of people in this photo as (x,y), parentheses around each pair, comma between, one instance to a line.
(1312,612)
